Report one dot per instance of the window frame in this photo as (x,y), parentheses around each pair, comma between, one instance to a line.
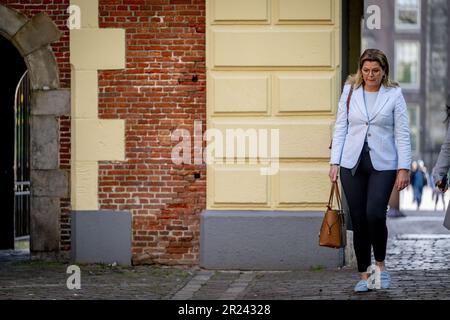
(408,27)
(410,86)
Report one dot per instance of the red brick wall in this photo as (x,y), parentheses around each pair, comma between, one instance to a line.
(57,11)
(162,88)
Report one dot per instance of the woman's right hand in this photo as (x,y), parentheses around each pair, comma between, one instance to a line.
(334,170)
(442,186)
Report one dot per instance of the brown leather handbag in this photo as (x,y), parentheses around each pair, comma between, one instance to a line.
(333,232)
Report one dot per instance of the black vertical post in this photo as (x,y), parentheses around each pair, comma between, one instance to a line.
(344,41)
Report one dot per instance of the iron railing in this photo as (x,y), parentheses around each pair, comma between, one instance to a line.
(22,158)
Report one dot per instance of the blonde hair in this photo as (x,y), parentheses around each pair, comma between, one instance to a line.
(356,80)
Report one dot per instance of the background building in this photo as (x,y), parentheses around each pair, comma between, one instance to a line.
(414,36)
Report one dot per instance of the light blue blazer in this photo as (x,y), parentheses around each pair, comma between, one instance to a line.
(386,127)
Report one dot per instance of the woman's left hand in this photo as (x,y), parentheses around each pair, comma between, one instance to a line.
(402,179)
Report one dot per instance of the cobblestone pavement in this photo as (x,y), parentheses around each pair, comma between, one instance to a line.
(419,265)
(47,280)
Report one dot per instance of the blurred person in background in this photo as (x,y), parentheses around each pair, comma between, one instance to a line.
(418,181)
(441,168)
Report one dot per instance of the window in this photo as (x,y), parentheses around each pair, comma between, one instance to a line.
(407,14)
(407,64)
(414,124)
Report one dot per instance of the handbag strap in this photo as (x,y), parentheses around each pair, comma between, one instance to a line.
(330,199)
(338,195)
(348,98)
(335,193)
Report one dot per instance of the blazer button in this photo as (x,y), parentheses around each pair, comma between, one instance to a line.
(369,135)
(367,123)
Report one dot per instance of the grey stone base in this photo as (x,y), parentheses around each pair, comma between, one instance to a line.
(101,237)
(264,240)
(350,256)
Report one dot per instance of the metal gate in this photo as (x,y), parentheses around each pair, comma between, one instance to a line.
(22,158)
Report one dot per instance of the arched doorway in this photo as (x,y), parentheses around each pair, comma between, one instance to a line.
(13,69)
(28,43)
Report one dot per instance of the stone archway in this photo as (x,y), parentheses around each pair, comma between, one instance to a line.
(32,38)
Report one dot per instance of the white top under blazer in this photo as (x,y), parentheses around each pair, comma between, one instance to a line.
(386,126)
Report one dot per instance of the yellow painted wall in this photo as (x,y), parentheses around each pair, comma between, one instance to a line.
(93,140)
(273,64)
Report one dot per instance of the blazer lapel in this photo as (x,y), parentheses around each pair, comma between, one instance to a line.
(359,101)
(382,98)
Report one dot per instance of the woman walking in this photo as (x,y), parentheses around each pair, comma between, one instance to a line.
(372,151)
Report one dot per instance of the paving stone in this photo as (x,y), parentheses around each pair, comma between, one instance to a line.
(419,266)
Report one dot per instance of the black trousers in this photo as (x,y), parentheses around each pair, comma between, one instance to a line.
(368,192)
